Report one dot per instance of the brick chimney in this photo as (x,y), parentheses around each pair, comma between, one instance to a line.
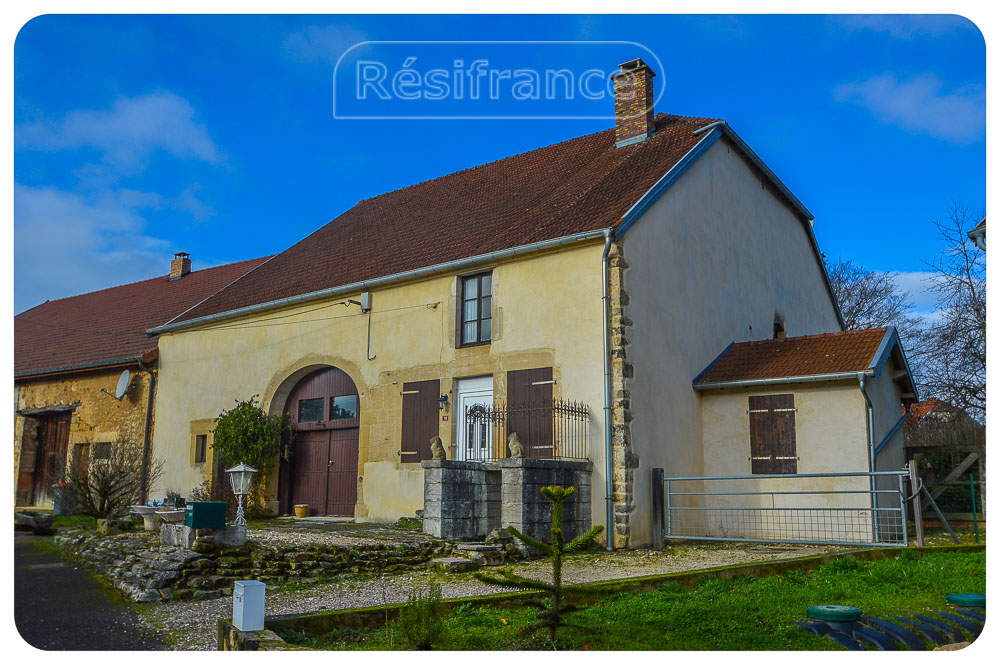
(180,265)
(633,102)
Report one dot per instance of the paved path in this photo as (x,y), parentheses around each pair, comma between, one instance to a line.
(59,606)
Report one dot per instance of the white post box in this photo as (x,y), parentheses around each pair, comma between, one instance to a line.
(248,605)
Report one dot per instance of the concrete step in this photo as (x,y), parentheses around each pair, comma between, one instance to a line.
(485,555)
(451,564)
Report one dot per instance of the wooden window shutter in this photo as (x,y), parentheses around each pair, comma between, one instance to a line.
(772,434)
(529,409)
(420,419)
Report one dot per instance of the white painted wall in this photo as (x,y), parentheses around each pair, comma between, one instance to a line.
(710,263)
(830,437)
(887,410)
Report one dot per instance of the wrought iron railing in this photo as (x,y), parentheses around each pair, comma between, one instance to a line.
(552,429)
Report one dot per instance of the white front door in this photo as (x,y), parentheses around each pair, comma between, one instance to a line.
(473,441)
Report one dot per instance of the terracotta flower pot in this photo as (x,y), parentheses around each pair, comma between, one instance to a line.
(301,509)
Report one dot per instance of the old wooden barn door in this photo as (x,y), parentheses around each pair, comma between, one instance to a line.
(323,471)
(43,457)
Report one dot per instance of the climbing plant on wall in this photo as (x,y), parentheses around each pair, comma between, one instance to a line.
(246,433)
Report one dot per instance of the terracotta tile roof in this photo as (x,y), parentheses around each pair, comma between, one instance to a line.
(920,410)
(829,353)
(106,326)
(579,185)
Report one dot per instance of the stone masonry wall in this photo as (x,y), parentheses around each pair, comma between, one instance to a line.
(468,500)
(141,568)
(99,416)
(524,507)
(461,499)
(624,460)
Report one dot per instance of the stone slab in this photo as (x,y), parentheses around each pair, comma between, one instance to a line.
(182,535)
(455,564)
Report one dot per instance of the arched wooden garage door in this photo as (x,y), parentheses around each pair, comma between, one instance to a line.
(323,471)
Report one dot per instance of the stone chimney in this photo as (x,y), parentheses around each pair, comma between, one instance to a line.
(180,265)
(633,102)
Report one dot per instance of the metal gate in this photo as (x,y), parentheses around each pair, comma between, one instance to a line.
(863,508)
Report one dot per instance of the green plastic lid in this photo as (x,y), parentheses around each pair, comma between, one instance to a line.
(833,613)
(966,599)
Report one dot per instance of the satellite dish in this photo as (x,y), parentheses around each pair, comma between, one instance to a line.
(123,382)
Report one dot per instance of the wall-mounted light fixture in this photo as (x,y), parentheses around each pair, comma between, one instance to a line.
(443,402)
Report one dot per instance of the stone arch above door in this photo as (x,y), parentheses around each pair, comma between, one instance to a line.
(284,381)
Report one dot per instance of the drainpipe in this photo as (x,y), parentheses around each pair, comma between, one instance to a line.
(870,428)
(608,467)
(146,440)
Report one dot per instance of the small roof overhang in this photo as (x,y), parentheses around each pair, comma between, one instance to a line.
(889,347)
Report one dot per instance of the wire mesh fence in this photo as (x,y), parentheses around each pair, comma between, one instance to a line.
(830,509)
(550,429)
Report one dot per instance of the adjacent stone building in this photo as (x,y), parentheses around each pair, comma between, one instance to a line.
(73,355)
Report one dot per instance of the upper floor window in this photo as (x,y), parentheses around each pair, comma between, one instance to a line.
(477,300)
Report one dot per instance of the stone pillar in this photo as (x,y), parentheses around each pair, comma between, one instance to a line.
(624,460)
(461,499)
(524,507)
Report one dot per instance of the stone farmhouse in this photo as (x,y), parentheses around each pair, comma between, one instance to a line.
(578,295)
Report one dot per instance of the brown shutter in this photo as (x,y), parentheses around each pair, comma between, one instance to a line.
(772,434)
(420,419)
(529,409)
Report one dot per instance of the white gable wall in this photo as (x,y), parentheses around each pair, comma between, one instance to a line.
(710,263)
(887,411)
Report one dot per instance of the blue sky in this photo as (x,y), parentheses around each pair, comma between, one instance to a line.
(138,136)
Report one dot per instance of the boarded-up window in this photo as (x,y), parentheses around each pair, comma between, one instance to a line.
(420,419)
(81,457)
(529,410)
(772,434)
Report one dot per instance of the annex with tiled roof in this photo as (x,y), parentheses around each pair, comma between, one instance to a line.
(921,410)
(108,327)
(809,357)
(584,184)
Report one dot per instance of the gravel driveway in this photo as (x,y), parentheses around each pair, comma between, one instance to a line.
(192,625)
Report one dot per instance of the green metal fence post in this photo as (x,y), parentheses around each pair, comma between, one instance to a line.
(975,518)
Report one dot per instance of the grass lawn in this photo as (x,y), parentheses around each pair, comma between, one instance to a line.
(744,613)
(74,521)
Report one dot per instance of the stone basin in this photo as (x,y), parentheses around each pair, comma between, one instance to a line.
(171,516)
(148,516)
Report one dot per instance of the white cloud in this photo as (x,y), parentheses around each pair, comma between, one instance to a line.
(66,244)
(188,201)
(126,135)
(916,284)
(905,26)
(920,105)
(323,44)
(94,235)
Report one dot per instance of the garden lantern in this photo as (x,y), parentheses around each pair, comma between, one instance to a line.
(240,476)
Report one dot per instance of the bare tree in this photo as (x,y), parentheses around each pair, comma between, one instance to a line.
(869,298)
(872,299)
(955,344)
(105,486)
